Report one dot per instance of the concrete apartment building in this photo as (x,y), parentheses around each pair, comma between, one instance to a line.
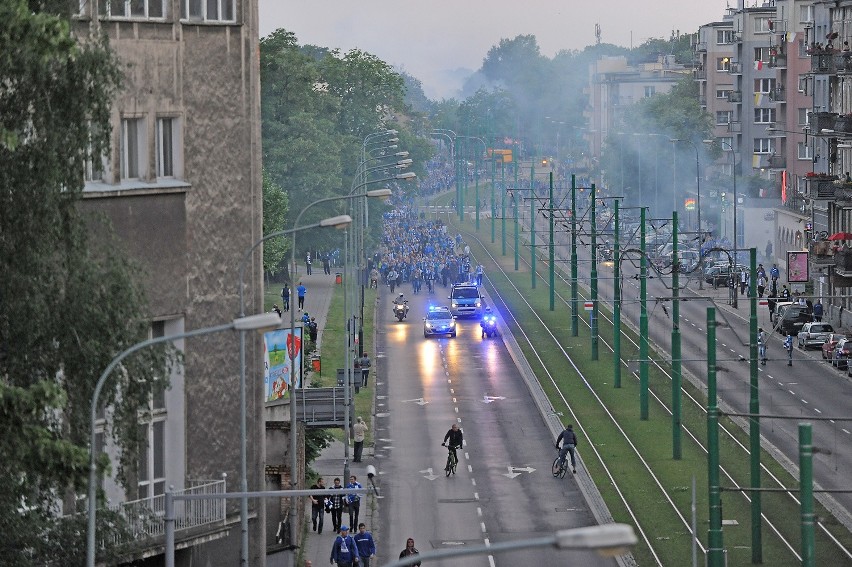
(615,85)
(752,69)
(182,189)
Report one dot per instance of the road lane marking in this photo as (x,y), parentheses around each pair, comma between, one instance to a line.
(473,481)
(482,525)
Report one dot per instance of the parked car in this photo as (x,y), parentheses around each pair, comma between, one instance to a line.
(842,352)
(814,334)
(780,306)
(830,344)
(793,319)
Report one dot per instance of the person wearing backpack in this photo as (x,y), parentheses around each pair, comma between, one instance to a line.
(344,552)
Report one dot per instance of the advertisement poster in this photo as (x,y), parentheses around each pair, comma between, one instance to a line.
(797,267)
(278,346)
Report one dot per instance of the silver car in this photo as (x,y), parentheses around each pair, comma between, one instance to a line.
(814,334)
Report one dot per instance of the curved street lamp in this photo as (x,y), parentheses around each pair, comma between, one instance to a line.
(242,324)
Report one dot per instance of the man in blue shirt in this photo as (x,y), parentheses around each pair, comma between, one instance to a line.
(344,552)
(300,292)
(353,500)
(365,544)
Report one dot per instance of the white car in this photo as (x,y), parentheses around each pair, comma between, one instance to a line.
(814,334)
(439,321)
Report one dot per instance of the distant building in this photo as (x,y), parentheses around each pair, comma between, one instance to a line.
(182,188)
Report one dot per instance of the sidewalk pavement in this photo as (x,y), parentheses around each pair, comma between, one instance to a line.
(329,465)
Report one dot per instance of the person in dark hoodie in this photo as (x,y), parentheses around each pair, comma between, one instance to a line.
(569,442)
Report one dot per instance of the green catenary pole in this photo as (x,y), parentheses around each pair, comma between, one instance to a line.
(593,318)
(754,421)
(715,551)
(516,206)
(503,205)
(551,249)
(616,303)
(643,321)
(806,494)
(677,371)
(476,176)
(533,212)
(575,318)
(493,202)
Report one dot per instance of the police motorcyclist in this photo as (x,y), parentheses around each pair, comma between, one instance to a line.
(400,300)
(487,321)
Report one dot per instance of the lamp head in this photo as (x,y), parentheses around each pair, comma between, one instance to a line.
(371,471)
(339,222)
(380,193)
(406,175)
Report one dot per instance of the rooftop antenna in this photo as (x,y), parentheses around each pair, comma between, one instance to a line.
(597,34)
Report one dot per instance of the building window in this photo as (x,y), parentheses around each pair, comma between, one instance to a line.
(209,10)
(762,25)
(764,85)
(152,453)
(132,148)
(803,48)
(167,147)
(723,64)
(761,54)
(723,117)
(723,93)
(763,146)
(650,91)
(724,37)
(804,151)
(726,143)
(764,115)
(803,84)
(803,116)
(135,9)
(806,14)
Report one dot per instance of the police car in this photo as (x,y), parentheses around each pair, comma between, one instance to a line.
(439,321)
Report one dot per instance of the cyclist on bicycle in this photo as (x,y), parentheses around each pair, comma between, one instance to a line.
(455,437)
(569,441)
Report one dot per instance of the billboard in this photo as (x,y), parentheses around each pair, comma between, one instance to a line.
(797,267)
(278,346)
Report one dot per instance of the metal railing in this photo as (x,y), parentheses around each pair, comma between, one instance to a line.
(145,518)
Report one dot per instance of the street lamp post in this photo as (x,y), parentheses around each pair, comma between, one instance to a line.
(698,195)
(250,323)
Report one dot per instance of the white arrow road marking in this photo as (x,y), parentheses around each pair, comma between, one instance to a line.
(452,543)
(429,476)
(418,401)
(488,399)
(512,471)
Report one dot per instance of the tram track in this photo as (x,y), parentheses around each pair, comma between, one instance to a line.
(660,401)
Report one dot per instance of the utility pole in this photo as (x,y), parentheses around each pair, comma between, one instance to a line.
(593,319)
(476,177)
(533,210)
(677,370)
(503,204)
(551,249)
(643,321)
(715,551)
(493,203)
(806,493)
(575,322)
(616,303)
(516,207)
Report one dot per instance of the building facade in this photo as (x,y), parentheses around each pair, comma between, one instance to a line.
(182,188)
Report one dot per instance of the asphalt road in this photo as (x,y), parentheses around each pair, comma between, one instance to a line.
(503,489)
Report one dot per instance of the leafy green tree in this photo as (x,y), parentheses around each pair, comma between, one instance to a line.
(274,219)
(70,302)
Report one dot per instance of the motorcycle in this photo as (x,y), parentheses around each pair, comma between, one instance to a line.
(489,326)
(400,310)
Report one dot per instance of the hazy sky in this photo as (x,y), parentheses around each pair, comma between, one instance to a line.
(433,39)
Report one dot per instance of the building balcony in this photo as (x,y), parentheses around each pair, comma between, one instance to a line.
(735,127)
(775,162)
(843,263)
(778,61)
(700,74)
(145,518)
(843,62)
(700,46)
(822,62)
(820,121)
(778,95)
(822,253)
(735,68)
(825,187)
(735,96)
(843,124)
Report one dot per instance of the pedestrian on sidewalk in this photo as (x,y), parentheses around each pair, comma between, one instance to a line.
(788,344)
(410,550)
(300,293)
(366,545)
(344,552)
(285,297)
(308,263)
(761,345)
(337,498)
(353,500)
(318,506)
(326,265)
(359,429)
(365,364)
(818,311)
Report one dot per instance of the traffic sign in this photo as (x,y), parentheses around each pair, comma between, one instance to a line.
(588,306)
(763,302)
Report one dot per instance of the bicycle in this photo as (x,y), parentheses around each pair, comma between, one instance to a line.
(452,459)
(559,467)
